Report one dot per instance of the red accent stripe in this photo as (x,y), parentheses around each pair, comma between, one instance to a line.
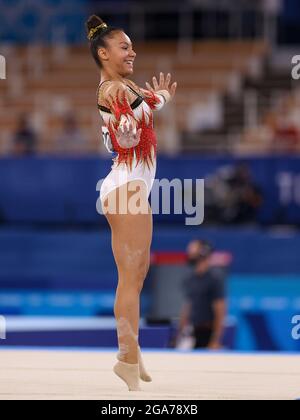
(169,258)
(218,259)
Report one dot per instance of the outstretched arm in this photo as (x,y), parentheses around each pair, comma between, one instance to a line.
(161,93)
(123,127)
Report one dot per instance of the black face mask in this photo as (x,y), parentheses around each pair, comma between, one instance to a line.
(193,261)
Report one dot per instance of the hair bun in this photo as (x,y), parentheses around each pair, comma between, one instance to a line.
(93,22)
(93,25)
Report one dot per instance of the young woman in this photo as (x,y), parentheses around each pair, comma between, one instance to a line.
(127,112)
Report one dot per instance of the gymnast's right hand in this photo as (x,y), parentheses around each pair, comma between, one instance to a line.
(127,134)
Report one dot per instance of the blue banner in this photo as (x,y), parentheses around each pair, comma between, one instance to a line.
(64,190)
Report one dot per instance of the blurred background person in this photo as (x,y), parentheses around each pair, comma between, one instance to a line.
(25,138)
(247,196)
(194,249)
(206,301)
(71,139)
(233,196)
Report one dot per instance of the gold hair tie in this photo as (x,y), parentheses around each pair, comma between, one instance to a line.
(94,30)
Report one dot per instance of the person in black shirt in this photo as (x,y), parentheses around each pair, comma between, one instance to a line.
(205,293)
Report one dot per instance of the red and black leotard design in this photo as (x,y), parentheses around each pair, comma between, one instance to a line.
(140,112)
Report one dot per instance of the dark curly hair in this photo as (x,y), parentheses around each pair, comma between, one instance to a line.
(99,38)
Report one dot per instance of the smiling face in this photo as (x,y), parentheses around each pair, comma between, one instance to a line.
(119,55)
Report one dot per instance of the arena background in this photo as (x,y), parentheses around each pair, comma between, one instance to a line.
(237,110)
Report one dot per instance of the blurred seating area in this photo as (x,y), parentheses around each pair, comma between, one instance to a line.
(231,97)
(48,104)
(279,130)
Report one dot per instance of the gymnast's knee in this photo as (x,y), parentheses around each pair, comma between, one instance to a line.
(134,274)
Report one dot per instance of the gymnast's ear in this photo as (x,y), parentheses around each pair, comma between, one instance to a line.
(103,54)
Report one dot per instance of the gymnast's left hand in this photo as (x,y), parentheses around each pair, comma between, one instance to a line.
(163,84)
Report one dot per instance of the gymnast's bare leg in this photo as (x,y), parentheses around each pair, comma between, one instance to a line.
(131,242)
